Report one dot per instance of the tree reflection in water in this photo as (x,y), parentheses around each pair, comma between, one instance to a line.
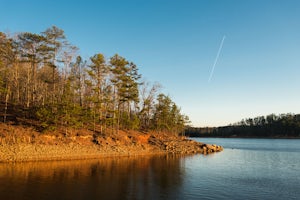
(148,177)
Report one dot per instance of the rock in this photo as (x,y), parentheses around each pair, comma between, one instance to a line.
(208,148)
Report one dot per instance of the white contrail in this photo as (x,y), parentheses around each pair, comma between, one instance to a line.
(216,60)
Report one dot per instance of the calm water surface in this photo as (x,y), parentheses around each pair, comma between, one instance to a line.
(246,169)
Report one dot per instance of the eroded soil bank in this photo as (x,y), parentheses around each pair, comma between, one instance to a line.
(25,144)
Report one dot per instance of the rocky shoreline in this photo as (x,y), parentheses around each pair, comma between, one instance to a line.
(32,146)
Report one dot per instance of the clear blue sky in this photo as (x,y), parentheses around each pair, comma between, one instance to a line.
(175,42)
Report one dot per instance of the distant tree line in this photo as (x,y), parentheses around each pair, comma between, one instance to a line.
(44,79)
(283,125)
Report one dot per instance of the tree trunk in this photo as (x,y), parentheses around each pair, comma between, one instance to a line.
(6,103)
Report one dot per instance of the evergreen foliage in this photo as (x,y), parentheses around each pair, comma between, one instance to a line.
(48,81)
(283,125)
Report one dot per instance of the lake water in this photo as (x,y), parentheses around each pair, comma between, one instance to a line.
(246,169)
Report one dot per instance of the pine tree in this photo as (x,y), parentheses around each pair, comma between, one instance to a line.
(98,72)
(125,81)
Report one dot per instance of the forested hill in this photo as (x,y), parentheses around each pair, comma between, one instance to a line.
(284,125)
(45,82)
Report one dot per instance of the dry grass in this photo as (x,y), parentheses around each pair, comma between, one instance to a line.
(10,135)
(16,135)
